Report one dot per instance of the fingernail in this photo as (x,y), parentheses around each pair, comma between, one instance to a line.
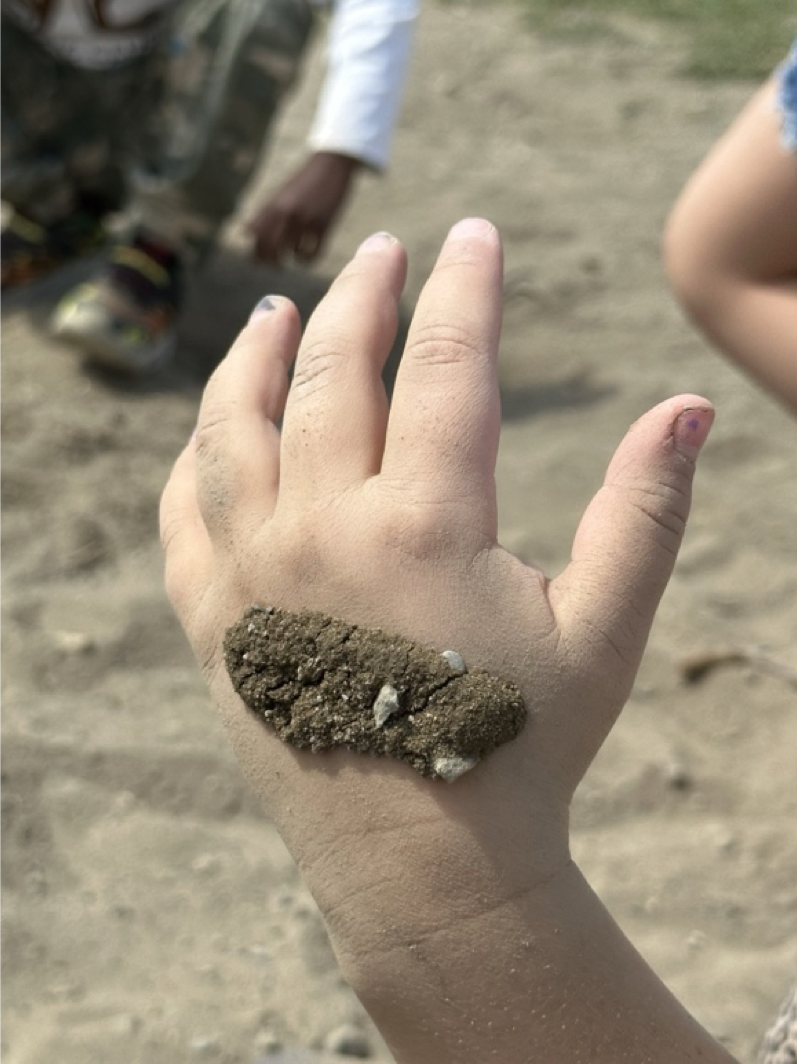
(691,429)
(265,306)
(470,227)
(376,241)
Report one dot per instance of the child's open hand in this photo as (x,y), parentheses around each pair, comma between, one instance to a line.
(387,518)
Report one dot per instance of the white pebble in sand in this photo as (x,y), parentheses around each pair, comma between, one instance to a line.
(451,768)
(386,705)
(455,662)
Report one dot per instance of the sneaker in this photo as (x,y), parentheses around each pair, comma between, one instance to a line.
(126,319)
(31,251)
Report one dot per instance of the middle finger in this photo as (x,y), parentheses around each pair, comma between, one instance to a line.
(335,415)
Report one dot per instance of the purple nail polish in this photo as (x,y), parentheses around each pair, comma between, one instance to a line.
(691,429)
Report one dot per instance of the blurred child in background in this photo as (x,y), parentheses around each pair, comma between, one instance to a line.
(731,241)
(163,107)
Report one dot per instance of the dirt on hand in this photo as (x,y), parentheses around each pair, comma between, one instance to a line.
(322,683)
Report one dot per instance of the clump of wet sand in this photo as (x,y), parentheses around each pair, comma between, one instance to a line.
(322,683)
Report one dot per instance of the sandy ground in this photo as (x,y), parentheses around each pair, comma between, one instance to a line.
(151,913)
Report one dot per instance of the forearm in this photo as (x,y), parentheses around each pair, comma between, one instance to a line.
(547,976)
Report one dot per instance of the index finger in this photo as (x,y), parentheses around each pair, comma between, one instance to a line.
(442,436)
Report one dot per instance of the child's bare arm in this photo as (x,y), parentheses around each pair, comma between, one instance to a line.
(730,247)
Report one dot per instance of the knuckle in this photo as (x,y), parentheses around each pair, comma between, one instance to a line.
(299,554)
(444,344)
(217,416)
(418,531)
(666,507)
(318,363)
(171,527)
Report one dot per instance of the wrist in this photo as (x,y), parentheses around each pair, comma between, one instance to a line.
(425,915)
(458,988)
(343,164)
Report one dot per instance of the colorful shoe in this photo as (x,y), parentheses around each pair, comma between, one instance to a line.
(126,320)
(31,251)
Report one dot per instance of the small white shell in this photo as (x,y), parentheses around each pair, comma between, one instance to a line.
(452,767)
(386,705)
(455,661)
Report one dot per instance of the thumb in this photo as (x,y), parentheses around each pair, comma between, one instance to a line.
(628,539)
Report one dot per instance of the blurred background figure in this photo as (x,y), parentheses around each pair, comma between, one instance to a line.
(731,241)
(162,109)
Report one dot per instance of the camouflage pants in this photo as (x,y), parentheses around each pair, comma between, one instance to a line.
(175,134)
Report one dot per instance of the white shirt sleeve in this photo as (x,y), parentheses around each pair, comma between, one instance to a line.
(368,51)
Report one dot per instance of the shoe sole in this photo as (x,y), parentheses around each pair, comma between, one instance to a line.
(86,331)
(101,350)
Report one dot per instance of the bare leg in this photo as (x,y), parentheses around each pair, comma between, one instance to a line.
(731,248)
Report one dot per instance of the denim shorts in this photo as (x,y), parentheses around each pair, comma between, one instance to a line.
(787,99)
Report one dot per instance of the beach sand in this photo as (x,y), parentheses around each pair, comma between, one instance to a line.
(151,914)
